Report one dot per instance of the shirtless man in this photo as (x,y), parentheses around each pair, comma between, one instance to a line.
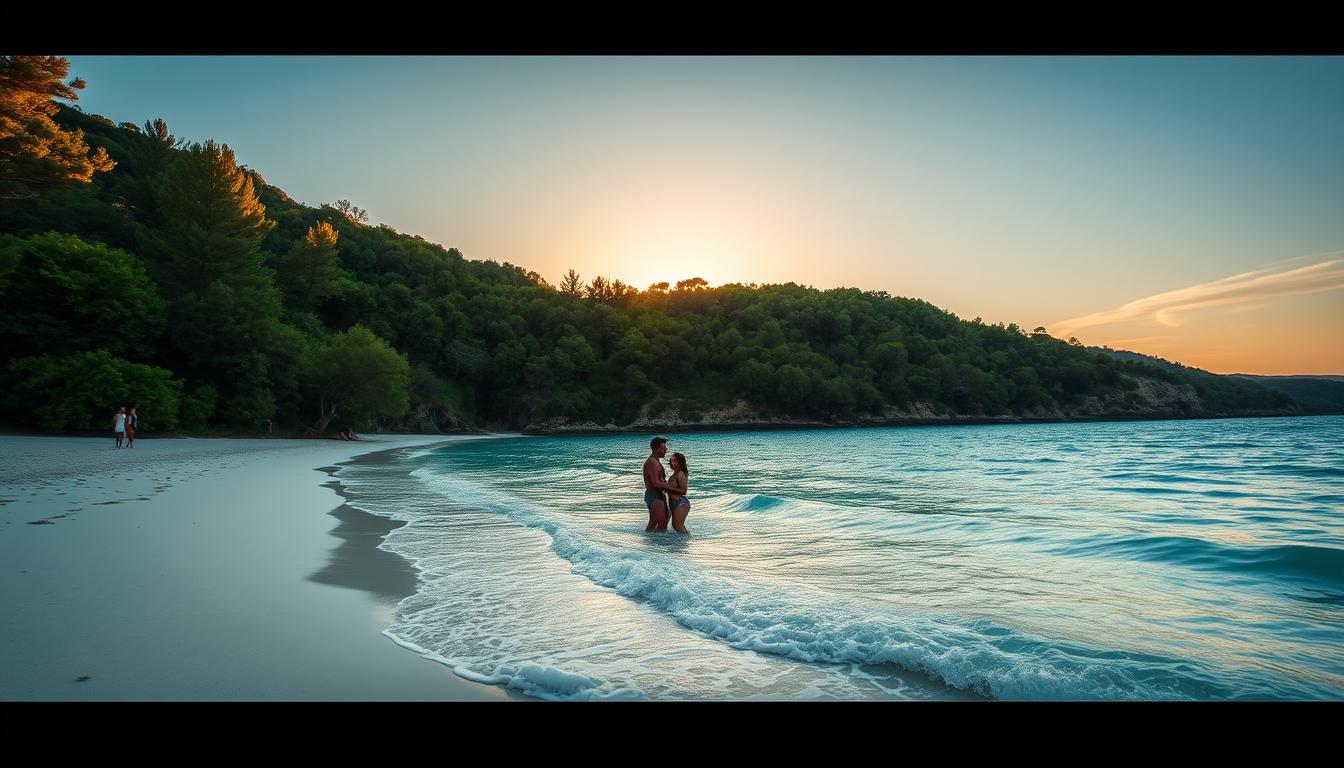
(655,483)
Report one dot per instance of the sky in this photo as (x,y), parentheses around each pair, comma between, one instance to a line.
(1186,207)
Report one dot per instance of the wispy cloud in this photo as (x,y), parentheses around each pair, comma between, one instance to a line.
(1137,340)
(1170,308)
(1248,308)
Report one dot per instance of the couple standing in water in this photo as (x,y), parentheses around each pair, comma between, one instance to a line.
(665,499)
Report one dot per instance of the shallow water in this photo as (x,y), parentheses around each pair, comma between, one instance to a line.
(1123,560)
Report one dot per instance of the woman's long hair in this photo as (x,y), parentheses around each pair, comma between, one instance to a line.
(681,460)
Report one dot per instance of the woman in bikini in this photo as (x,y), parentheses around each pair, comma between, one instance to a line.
(680,505)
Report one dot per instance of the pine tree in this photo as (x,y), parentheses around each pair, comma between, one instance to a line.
(36,155)
(225,309)
(149,153)
(571,284)
(599,289)
(213,221)
(312,268)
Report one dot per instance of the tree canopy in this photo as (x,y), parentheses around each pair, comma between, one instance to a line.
(255,306)
(37,154)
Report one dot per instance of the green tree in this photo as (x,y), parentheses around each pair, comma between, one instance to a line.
(36,154)
(225,307)
(312,268)
(621,293)
(1028,392)
(149,153)
(466,360)
(792,387)
(599,290)
(505,348)
(213,221)
(230,336)
(63,295)
(570,284)
(81,391)
(353,213)
(197,407)
(357,374)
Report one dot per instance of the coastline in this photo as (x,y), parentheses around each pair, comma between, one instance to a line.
(360,563)
(201,569)
(766,425)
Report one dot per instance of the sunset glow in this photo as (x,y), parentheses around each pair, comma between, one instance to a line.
(1181,207)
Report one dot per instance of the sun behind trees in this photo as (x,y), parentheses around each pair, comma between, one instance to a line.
(373,321)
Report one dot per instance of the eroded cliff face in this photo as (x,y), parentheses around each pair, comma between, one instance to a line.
(430,420)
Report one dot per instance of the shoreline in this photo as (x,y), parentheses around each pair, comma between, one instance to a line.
(388,574)
(767,426)
(200,570)
(372,436)
(674,426)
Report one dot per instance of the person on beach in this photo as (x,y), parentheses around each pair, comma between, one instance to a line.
(655,485)
(119,425)
(132,426)
(680,504)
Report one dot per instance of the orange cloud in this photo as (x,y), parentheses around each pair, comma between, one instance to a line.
(1170,308)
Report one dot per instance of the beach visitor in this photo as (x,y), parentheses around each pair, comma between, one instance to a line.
(119,425)
(655,485)
(132,426)
(680,504)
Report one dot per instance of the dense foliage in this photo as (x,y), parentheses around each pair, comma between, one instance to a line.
(36,154)
(261,307)
(1317,395)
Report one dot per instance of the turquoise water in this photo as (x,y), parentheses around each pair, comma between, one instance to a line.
(1136,560)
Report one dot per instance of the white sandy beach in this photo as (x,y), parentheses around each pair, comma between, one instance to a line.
(200,569)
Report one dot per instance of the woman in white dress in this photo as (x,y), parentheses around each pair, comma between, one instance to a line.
(119,425)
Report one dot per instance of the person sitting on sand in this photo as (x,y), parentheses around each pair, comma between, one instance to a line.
(350,434)
(680,505)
